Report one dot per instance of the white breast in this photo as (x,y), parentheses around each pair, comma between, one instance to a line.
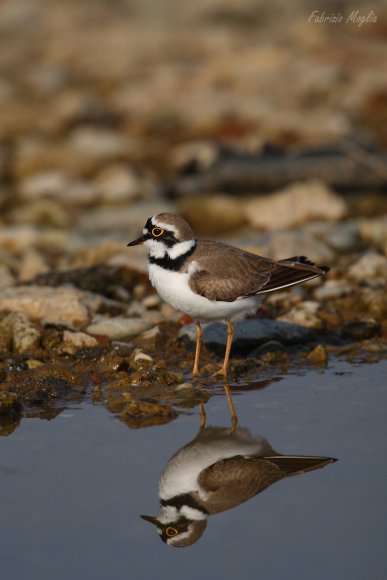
(173,288)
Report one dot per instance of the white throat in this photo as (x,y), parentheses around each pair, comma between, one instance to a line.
(157,248)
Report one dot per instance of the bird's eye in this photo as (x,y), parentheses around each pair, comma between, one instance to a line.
(157,232)
(171,532)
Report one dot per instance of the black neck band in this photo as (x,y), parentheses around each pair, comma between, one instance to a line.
(173,264)
(184,499)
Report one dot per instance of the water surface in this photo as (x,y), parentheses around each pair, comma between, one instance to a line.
(72,489)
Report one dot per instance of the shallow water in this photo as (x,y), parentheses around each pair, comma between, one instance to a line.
(72,489)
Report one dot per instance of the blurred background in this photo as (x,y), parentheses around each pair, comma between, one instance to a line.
(111,111)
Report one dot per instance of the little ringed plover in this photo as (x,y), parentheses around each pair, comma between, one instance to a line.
(212,281)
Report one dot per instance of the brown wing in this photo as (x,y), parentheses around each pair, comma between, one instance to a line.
(238,273)
(235,480)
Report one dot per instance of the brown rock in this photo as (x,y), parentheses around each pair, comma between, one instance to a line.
(295,205)
(53,305)
(318,356)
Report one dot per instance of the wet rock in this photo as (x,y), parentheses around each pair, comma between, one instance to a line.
(51,305)
(361,329)
(147,377)
(19,333)
(370,265)
(138,414)
(305,314)
(270,351)
(250,333)
(118,328)
(141,359)
(73,341)
(295,205)
(46,382)
(9,402)
(318,356)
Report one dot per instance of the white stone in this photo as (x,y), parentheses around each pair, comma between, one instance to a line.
(118,327)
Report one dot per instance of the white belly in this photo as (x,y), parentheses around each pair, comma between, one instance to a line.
(173,288)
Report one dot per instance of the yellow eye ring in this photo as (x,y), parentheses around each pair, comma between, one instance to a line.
(171,532)
(157,232)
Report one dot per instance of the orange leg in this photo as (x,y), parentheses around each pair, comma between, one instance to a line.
(199,334)
(202,416)
(230,334)
(234,416)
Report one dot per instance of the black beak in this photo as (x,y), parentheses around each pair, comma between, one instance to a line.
(151,519)
(139,240)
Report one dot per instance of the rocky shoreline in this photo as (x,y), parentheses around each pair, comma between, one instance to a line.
(98,136)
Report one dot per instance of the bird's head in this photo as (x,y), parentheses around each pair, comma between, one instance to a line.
(180,532)
(166,234)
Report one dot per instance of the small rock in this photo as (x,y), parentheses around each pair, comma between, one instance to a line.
(6,278)
(295,205)
(44,184)
(344,237)
(32,264)
(282,245)
(48,212)
(270,351)
(318,356)
(51,305)
(152,301)
(374,231)
(249,333)
(304,314)
(370,265)
(34,363)
(223,213)
(25,336)
(138,414)
(99,144)
(331,290)
(73,341)
(118,328)
(141,359)
(120,183)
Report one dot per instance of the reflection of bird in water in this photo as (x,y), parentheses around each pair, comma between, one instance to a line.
(216,471)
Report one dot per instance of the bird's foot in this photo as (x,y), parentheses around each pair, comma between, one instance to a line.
(222,372)
(195,372)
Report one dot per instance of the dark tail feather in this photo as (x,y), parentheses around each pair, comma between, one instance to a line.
(303,260)
(295,464)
